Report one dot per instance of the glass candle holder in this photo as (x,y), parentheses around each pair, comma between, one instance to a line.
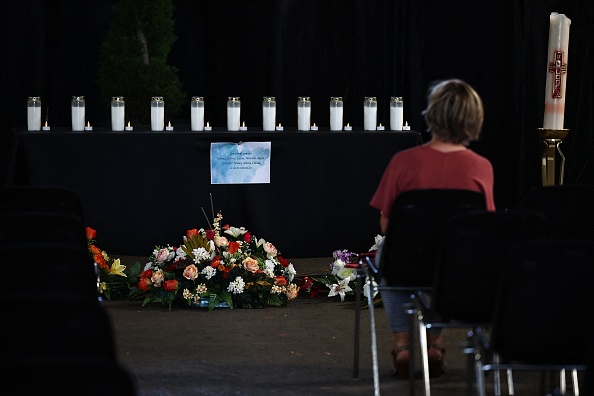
(118,113)
(77,107)
(197,113)
(157,113)
(303,113)
(268,113)
(370,113)
(336,113)
(34,113)
(396,113)
(233,113)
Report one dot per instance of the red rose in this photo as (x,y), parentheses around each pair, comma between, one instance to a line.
(233,247)
(91,233)
(280,280)
(247,236)
(216,261)
(226,227)
(284,262)
(144,284)
(170,285)
(147,274)
(191,233)
(210,234)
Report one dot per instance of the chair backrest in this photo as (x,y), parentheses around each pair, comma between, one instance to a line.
(544,304)
(45,199)
(569,207)
(417,221)
(470,261)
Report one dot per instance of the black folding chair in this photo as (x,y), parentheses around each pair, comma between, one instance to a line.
(408,254)
(541,319)
(467,277)
(43,199)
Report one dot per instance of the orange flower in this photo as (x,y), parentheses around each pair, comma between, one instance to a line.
(280,280)
(233,247)
(94,250)
(170,285)
(144,284)
(216,261)
(91,233)
(191,233)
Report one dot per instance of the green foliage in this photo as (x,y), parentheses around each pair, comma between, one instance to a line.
(133,59)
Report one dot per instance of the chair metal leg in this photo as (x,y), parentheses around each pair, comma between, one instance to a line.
(358,288)
(424,353)
(411,311)
(376,385)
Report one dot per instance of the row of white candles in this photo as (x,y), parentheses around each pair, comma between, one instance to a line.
(233,115)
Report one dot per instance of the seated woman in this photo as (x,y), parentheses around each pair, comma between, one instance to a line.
(454,117)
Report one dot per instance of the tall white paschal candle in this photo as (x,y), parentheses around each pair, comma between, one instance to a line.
(396,113)
(157,113)
(233,113)
(336,113)
(197,113)
(370,113)
(78,113)
(303,113)
(34,113)
(118,113)
(268,113)
(554,110)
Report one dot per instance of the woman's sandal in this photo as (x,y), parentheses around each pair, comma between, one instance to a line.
(400,360)
(437,363)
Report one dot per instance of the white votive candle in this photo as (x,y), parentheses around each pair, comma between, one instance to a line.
(406,127)
(45,127)
(207,127)
(197,113)
(129,127)
(336,113)
(157,113)
(380,127)
(34,113)
(169,127)
(233,113)
(369,113)
(118,117)
(396,113)
(88,127)
(279,127)
(348,127)
(78,113)
(243,127)
(303,113)
(314,127)
(268,113)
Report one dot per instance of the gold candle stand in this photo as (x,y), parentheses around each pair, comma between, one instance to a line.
(552,138)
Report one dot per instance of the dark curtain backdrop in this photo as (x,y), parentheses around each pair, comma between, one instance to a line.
(323,48)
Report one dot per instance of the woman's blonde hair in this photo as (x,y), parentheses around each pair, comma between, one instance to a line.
(454,112)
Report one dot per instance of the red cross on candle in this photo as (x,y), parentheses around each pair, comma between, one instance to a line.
(557,67)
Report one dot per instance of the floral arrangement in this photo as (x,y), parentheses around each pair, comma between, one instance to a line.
(114,278)
(224,265)
(340,275)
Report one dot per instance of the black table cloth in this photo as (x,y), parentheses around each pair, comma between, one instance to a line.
(141,189)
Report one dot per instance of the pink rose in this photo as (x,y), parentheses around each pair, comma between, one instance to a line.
(221,241)
(270,250)
(250,264)
(191,272)
(162,255)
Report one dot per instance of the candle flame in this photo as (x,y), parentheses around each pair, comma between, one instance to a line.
(406,123)
(46,123)
(243,125)
(128,124)
(279,125)
(169,124)
(314,124)
(207,124)
(348,125)
(88,123)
